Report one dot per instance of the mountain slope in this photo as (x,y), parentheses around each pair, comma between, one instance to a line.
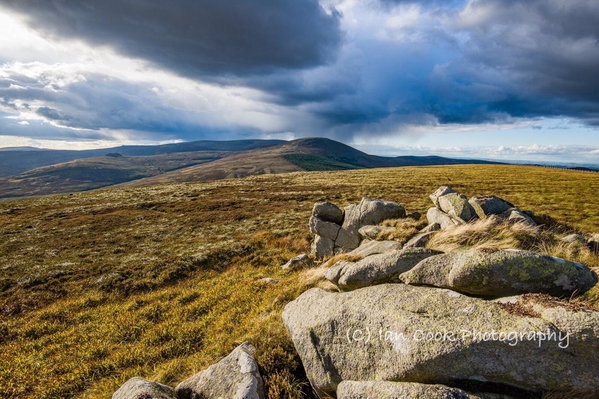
(309,154)
(91,173)
(18,160)
(239,159)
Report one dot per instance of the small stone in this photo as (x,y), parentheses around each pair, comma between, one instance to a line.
(266,281)
(139,388)
(572,238)
(297,261)
(419,240)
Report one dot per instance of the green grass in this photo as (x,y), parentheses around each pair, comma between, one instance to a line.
(311,162)
(160,281)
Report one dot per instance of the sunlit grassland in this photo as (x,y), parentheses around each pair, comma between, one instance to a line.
(161,281)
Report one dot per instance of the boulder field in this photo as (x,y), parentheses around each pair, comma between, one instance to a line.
(411,322)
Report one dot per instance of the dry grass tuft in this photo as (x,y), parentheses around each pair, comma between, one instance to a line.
(490,233)
(341,257)
(405,228)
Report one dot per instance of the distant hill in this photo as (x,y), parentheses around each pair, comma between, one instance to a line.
(14,160)
(187,162)
(308,154)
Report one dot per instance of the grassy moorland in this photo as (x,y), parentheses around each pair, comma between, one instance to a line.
(162,281)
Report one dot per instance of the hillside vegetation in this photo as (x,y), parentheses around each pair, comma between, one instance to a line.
(185,162)
(162,281)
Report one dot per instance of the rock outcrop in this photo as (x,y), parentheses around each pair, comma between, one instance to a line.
(410,322)
(236,376)
(337,235)
(395,332)
(452,208)
(502,273)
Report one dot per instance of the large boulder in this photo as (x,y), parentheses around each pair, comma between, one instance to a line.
(489,205)
(441,191)
(235,376)
(396,332)
(368,248)
(457,206)
(404,390)
(376,269)
(139,388)
(436,216)
(502,273)
(327,212)
(370,212)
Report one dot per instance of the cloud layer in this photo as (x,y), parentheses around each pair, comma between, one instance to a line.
(346,69)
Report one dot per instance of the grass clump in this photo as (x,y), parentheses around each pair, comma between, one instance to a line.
(405,228)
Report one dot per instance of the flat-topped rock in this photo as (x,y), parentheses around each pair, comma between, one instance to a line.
(502,273)
(368,248)
(405,390)
(489,205)
(376,269)
(396,332)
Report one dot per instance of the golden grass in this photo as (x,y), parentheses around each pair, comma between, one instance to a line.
(158,281)
(404,229)
(491,232)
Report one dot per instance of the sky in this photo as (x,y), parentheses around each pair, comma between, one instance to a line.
(492,79)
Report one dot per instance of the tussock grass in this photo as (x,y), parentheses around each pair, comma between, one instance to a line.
(158,281)
(492,233)
(404,229)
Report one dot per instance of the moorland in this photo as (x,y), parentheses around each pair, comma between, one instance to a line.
(162,280)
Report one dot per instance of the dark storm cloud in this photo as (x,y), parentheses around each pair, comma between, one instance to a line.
(197,38)
(441,62)
(498,60)
(93,103)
